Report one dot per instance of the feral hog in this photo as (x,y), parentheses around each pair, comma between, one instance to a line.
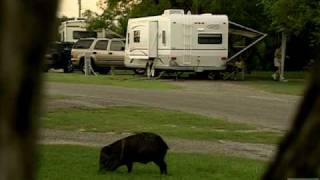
(141,147)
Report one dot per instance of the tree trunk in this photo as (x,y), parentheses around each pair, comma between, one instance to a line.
(25,30)
(299,153)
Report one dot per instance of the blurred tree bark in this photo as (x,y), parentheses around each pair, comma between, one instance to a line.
(26,27)
(299,153)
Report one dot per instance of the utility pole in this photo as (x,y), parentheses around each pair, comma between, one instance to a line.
(283,55)
(79,2)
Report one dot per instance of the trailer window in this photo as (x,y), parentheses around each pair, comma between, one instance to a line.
(163,37)
(83,44)
(210,39)
(117,46)
(136,36)
(101,45)
(84,34)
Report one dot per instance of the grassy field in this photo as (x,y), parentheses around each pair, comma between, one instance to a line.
(263,81)
(164,122)
(124,80)
(258,79)
(66,162)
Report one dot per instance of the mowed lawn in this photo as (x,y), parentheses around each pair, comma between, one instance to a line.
(121,80)
(66,162)
(295,85)
(165,122)
(261,80)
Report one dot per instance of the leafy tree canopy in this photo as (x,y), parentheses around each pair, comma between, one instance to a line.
(298,17)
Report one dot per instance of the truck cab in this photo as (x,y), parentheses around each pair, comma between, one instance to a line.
(104,53)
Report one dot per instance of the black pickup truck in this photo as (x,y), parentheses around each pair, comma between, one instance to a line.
(58,56)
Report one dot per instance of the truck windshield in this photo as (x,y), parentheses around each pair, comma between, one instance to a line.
(83,44)
(84,34)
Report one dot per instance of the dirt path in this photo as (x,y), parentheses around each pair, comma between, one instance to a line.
(216,99)
(253,151)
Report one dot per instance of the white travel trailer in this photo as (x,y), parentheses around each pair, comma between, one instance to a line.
(178,41)
(73,30)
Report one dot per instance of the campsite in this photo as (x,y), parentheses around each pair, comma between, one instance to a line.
(199,119)
(126,89)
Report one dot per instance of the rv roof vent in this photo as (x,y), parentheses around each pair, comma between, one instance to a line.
(169,12)
(206,14)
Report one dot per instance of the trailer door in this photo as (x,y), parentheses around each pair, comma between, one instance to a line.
(153,39)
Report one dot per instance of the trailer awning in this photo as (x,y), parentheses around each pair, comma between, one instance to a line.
(244,33)
(237,29)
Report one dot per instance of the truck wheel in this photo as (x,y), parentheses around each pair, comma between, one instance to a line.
(104,70)
(81,65)
(68,68)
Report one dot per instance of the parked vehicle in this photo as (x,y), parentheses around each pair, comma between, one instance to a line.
(58,56)
(75,29)
(179,42)
(175,41)
(104,53)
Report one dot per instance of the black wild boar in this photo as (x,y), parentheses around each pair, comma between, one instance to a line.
(141,147)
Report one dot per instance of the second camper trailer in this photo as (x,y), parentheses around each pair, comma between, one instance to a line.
(178,41)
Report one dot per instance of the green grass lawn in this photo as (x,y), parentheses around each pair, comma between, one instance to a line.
(66,162)
(263,81)
(258,79)
(164,122)
(126,80)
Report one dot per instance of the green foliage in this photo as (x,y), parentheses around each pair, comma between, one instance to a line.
(95,21)
(295,17)
(238,10)
(149,8)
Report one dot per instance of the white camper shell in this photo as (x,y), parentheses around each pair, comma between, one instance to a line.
(73,30)
(178,41)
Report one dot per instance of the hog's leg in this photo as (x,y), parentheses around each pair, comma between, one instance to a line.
(162,165)
(129,166)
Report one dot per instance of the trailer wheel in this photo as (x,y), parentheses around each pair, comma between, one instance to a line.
(210,75)
(68,67)
(213,75)
(139,71)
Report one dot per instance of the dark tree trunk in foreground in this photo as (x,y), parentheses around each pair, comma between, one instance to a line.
(25,30)
(299,153)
